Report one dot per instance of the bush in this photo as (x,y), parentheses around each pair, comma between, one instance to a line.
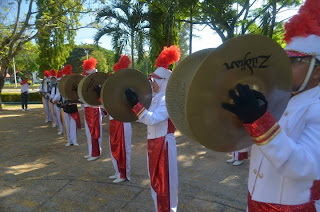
(16,97)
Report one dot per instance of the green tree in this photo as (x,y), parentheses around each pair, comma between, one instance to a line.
(26,60)
(24,26)
(229,18)
(164,28)
(56,37)
(104,57)
(190,9)
(126,22)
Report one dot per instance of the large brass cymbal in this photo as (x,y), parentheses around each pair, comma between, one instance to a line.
(252,59)
(113,93)
(68,86)
(176,91)
(85,89)
(62,84)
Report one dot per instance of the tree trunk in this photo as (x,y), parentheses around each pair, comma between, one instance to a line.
(274,13)
(132,49)
(190,31)
(3,73)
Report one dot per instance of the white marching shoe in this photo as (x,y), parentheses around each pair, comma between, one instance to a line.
(59,133)
(231,160)
(86,156)
(93,158)
(119,180)
(67,144)
(75,144)
(46,121)
(238,162)
(113,177)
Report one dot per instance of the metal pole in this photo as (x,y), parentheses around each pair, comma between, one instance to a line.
(14,71)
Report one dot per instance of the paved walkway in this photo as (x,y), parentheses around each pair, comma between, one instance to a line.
(38,173)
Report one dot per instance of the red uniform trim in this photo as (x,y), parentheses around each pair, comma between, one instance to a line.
(264,129)
(76,117)
(171,127)
(117,145)
(315,190)
(254,206)
(159,171)
(92,116)
(138,109)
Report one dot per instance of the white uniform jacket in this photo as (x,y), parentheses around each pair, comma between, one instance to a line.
(156,117)
(287,169)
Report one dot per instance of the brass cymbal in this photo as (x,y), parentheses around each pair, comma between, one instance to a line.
(251,59)
(85,89)
(61,85)
(113,93)
(176,91)
(67,86)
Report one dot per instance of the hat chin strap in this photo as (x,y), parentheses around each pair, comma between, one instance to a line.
(306,79)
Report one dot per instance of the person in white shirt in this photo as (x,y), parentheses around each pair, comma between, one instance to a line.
(52,83)
(57,102)
(24,93)
(284,170)
(44,89)
(162,150)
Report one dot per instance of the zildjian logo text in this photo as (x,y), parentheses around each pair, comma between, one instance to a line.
(250,63)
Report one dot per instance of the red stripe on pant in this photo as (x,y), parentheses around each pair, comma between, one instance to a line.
(118,148)
(159,172)
(92,116)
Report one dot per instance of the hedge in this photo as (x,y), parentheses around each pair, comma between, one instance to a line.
(16,97)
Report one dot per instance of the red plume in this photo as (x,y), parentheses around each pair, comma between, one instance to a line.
(52,72)
(168,56)
(89,64)
(124,62)
(306,22)
(59,74)
(67,70)
(47,73)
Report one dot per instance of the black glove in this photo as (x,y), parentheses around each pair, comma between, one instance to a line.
(75,87)
(97,89)
(132,97)
(249,106)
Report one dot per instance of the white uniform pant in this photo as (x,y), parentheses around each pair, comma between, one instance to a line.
(58,112)
(71,128)
(173,174)
(46,108)
(127,142)
(241,154)
(53,114)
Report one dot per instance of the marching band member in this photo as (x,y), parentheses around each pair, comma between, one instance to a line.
(71,115)
(52,93)
(24,93)
(44,89)
(284,166)
(120,138)
(93,119)
(57,102)
(162,152)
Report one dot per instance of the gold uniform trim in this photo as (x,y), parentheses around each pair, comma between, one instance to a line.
(269,139)
(266,134)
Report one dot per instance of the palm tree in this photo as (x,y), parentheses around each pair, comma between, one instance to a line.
(126,21)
